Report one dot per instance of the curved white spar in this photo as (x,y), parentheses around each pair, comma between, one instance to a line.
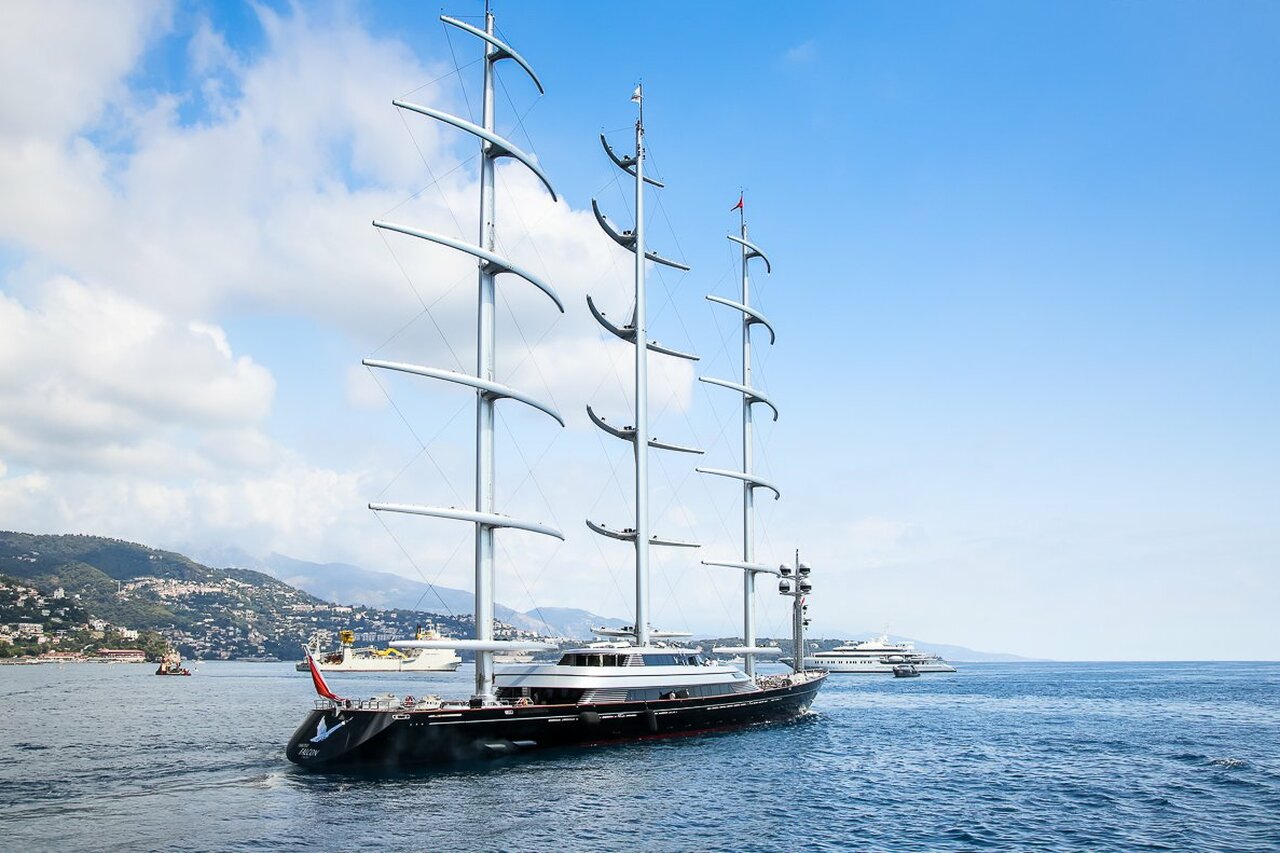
(504,50)
(497,264)
(628,333)
(675,448)
(750,479)
(627,240)
(628,164)
(493,389)
(502,147)
(754,317)
(488,519)
(629,535)
(750,567)
(753,251)
(624,433)
(629,434)
(751,394)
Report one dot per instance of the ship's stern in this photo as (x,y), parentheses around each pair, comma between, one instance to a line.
(334,735)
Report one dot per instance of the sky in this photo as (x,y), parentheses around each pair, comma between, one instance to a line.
(1026,284)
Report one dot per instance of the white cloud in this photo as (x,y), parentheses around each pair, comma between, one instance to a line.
(806,51)
(289,507)
(129,412)
(61,61)
(92,379)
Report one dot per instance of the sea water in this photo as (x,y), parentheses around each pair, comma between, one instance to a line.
(1168,756)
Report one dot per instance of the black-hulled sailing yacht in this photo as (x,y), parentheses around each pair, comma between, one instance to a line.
(637,686)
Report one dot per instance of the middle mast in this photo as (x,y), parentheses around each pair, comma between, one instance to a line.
(636,332)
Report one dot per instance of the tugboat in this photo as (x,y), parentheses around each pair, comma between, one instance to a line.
(171,664)
(644,687)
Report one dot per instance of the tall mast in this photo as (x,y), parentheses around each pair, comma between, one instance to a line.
(485,357)
(641,443)
(636,332)
(750,482)
(748,491)
(487,390)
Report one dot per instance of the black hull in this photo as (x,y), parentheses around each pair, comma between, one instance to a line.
(341,738)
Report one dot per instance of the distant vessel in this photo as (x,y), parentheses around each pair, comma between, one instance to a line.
(906,670)
(347,658)
(171,664)
(876,656)
(513,657)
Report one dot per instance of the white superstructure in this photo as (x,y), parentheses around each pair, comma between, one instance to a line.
(624,673)
(876,656)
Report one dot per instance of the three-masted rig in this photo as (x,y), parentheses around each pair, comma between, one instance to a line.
(591,695)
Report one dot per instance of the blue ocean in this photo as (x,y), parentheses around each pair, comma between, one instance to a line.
(1168,756)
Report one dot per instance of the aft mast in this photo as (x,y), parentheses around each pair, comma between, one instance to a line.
(750,482)
(636,332)
(488,391)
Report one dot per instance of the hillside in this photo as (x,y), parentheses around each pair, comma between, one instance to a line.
(205,612)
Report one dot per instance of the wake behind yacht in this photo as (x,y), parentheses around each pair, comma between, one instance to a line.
(876,656)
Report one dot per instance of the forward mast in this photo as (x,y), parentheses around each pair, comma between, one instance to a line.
(487,389)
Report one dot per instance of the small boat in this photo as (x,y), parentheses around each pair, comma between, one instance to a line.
(171,664)
(906,670)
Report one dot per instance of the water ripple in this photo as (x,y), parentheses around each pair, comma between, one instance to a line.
(996,757)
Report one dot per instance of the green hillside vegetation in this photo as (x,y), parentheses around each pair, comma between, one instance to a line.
(96,568)
(204,612)
(27,555)
(97,591)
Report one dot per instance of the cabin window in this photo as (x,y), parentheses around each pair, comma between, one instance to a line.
(594,660)
(554,695)
(651,694)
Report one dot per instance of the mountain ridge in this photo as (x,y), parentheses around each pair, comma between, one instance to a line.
(342,582)
(351,584)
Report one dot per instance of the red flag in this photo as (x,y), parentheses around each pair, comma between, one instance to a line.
(318,680)
(737,206)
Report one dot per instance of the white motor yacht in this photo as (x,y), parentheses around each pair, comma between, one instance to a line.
(876,656)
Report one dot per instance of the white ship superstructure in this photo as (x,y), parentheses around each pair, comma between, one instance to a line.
(348,658)
(877,656)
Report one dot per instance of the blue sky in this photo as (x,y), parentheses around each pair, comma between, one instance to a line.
(1026,289)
